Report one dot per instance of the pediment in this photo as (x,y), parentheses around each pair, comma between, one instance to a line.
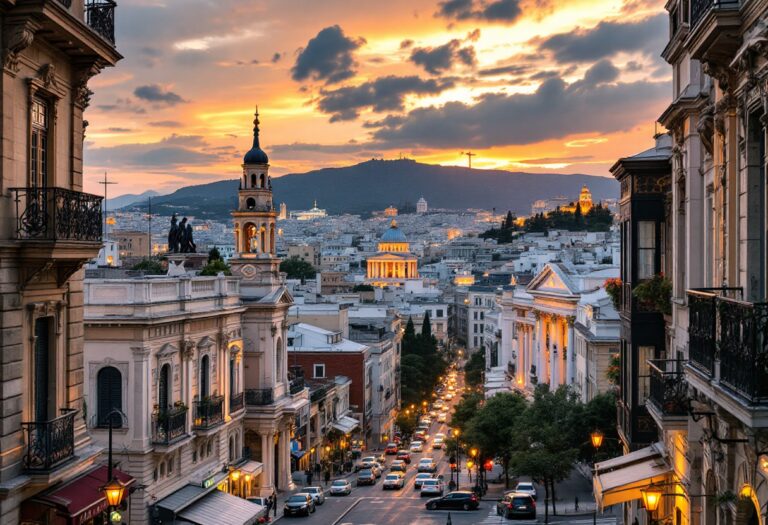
(551,280)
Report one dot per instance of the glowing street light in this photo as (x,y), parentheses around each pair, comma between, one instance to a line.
(597,439)
(651,497)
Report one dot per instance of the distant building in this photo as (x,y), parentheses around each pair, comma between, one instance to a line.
(585,202)
(421,206)
(131,243)
(283,212)
(309,215)
(305,252)
(391,211)
(393,264)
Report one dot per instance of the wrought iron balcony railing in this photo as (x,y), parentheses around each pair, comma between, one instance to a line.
(320,393)
(259,396)
(296,385)
(49,443)
(743,346)
(701,330)
(100,16)
(57,214)
(236,402)
(699,8)
(169,425)
(668,388)
(209,413)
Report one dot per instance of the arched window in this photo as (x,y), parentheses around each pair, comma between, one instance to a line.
(263,232)
(250,242)
(164,388)
(253,180)
(109,393)
(271,238)
(250,203)
(263,181)
(231,448)
(205,377)
(279,359)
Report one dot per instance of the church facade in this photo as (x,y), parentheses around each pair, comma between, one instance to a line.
(393,264)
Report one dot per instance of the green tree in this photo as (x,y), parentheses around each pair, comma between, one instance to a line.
(426,327)
(149,266)
(465,410)
(409,337)
(412,388)
(214,255)
(216,266)
(298,269)
(362,288)
(406,423)
(474,368)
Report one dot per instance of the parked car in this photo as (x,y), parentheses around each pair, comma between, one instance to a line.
(460,499)
(420,435)
(258,500)
(417,446)
(341,487)
(404,455)
(298,504)
(427,465)
(391,449)
(366,477)
(317,494)
(398,465)
(432,487)
(526,487)
(419,479)
(516,505)
(394,481)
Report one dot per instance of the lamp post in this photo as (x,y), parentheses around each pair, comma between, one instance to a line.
(113,489)
(456,433)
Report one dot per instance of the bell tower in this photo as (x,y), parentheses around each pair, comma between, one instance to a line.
(254,224)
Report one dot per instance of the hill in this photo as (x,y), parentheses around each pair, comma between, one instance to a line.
(375,184)
(122,201)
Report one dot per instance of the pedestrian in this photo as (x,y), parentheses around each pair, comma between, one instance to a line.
(274,502)
(309,477)
(269,504)
(327,476)
(577,503)
(317,469)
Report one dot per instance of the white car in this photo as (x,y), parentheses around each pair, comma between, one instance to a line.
(448,396)
(394,481)
(442,417)
(341,487)
(432,487)
(427,465)
(417,446)
(438,443)
(317,494)
(440,435)
(526,487)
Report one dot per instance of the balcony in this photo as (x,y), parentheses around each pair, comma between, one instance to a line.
(100,16)
(49,444)
(236,402)
(668,394)
(701,8)
(209,413)
(57,214)
(296,386)
(169,426)
(701,330)
(714,34)
(259,396)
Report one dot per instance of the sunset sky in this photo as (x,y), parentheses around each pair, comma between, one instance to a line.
(558,86)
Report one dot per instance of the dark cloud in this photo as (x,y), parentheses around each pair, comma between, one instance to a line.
(173,151)
(491,10)
(554,110)
(633,66)
(276,58)
(383,94)
(165,124)
(122,105)
(157,94)
(505,70)
(608,38)
(442,58)
(119,130)
(328,57)
(601,72)
(406,44)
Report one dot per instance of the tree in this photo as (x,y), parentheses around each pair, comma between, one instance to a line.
(149,266)
(465,410)
(409,336)
(362,288)
(406,423)
(474,368)
(426,327)
(298,269)
(214,255)
(215,267)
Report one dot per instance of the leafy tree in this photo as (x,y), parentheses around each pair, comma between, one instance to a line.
(411,378)
(426,327)
(362,288)
(214,255)
(298,269)
(474,368)
(215,267)
(407,423)
(465,410)
(149,266)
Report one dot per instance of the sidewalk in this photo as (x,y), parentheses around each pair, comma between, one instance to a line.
(283,495)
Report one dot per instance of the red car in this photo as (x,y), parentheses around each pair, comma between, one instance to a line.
(391,449)
(404,455)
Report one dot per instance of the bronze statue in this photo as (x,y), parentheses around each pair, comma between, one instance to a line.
(173,236)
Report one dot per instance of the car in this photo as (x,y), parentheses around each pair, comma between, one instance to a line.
(438,443)
(366,477)
(341,487)
(404,455)
(381,458)
(516,505)
(439,404)
(420,435)
(377,469)
(364,463)
(298,504)
(526,487)
(398,465)
(420,477)
(440,435)
(459,499)
(316,492)
(448,396)
(391,449)
(426,420)
(417,446)
(442,417)
(259,500)
(432,487)
(427,465)
(394,481)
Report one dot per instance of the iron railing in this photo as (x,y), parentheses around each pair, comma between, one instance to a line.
(701,330)
(296,385)
(209,413)
(100,16)
(57,214)
(259,396)
(236,402)
(743,345)
(49,443)
(169,425)
(668,388)
(319,393)
(66,3)
(699,8)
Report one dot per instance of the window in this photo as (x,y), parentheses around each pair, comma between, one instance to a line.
(482,316)
(38,154)
(164,388)
(646,249)
(109,393)
(43,373)
(170,466)
(319,370)
(439,313)
(205,377)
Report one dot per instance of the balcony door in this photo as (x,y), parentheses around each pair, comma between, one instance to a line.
(38,154)
(44,385)
(205,377)
(164,388)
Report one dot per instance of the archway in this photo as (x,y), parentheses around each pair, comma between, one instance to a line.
(253,180)
(249,238)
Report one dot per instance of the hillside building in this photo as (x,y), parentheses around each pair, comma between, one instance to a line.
(421,205)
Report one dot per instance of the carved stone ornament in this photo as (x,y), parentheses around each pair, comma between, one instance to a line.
(17,36)
(273,329)
(47,75)
(706,127)
(81,92)
(717,72)
(188,349)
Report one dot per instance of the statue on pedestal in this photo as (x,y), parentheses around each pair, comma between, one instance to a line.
(173,235)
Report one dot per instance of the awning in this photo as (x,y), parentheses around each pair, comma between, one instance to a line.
(346,424)
(189,494)
(222,508)
(251,467)
(620,479)
(298,454)
(83,498)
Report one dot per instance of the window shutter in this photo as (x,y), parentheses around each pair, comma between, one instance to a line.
(110,396)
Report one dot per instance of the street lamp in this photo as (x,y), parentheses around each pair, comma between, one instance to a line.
(597,439)
(114,489)
(456,433)
(114,492)
(651,498)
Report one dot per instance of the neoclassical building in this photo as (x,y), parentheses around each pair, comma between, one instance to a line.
(276,404)
(394,263)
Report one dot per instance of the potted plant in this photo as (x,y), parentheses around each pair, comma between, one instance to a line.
(655,294)
(613,287)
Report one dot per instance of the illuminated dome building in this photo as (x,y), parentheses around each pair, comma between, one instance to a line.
(393,264)
(585,202)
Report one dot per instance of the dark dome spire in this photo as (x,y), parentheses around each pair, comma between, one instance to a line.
(256,155)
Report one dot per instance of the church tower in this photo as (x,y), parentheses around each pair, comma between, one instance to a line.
(254,222)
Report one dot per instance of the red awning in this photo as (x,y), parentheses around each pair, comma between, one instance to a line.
(82,498)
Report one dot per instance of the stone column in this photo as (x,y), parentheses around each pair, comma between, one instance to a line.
(541,367)
(554,351)
(267,449)
(140,411)
(571,344)
(284,467)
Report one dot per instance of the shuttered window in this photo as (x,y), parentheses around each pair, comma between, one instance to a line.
(42,386)
(110,396)
(205,380)
(164,398)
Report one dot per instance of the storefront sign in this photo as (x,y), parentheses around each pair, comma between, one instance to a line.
(209,482)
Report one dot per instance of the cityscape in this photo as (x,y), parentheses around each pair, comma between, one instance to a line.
(435,262)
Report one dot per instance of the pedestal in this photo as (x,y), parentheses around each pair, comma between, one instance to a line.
(189,262)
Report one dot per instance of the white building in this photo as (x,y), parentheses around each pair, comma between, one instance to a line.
(421,205)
